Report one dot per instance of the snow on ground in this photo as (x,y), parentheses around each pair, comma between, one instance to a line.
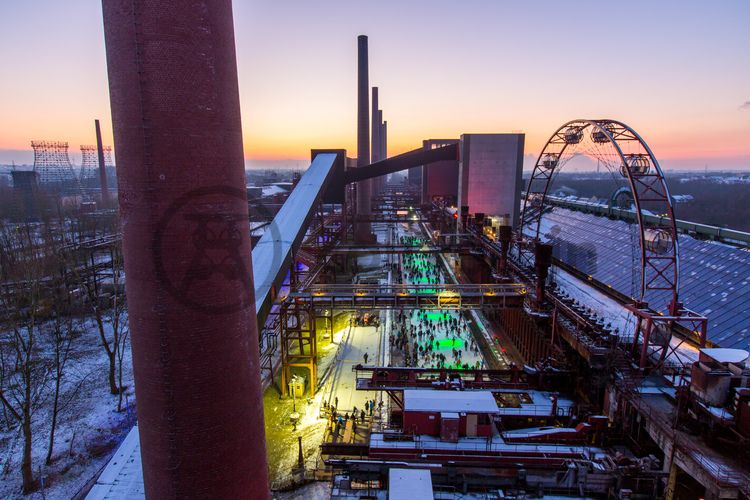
(337,382)
(281,438)
(88,431)
(313,491)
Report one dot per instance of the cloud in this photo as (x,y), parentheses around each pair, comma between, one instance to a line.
(745,106)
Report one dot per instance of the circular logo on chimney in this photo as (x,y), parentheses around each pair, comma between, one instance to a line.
(202,251)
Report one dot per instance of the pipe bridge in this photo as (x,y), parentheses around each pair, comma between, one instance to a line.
(402,296)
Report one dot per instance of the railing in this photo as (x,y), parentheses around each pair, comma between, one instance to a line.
(444,290)
(423,296)
(723,475)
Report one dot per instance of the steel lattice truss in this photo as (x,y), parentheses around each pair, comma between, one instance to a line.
(51,162)
(90,161)
(621,150)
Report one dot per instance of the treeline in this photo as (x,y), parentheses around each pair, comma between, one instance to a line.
(53,278)
(723,205)
(714,203)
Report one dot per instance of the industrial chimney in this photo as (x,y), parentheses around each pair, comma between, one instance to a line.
(364,194)
(176,117)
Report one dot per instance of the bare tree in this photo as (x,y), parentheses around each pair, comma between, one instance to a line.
(106,300)
(119,321)
(60,256)
(61,333)
(23,372)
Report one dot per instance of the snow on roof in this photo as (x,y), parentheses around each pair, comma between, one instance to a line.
(726,355)
(449,401)
(123,475)
(409,484)
(713,275)
(541,403)
(482,445)
(272,190)
(537,431)
(718,412)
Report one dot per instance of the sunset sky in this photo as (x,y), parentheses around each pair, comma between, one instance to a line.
(676,71)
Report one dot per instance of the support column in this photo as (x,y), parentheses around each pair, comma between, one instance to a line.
(181,178)
(542,263)
(505,235)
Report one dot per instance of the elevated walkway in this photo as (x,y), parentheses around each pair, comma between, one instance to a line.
(274,252)
(409,296)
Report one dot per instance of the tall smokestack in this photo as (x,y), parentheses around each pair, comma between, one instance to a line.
(102,166)
(375,142)
(384,140)
(375,152)
(381,152)
(181,179)
(363,135)
(363,115)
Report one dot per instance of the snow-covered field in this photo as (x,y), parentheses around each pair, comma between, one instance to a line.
(88,430)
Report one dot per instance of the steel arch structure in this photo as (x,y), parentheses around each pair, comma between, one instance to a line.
(620,148)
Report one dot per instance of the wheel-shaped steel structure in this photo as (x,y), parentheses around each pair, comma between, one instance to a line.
(623,151)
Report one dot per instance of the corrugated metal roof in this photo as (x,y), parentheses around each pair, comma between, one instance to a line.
(714,277)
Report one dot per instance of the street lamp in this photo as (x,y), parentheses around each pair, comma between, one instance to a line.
(295,416)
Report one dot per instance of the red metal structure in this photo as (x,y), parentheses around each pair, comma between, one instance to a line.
(176,116)
(622,150)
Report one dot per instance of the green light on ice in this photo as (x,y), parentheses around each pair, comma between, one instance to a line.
(447,344)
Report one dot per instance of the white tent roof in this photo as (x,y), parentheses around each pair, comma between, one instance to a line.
(409,484)
(449,401)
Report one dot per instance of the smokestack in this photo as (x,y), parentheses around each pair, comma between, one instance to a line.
(381,139)
(375,184)
(364,193)
(102,166)
(375,153)
(181,178)
(375,143)
(384,140)
(363,116)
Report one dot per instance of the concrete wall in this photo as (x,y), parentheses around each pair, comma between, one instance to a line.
(440,178)
(489,179)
